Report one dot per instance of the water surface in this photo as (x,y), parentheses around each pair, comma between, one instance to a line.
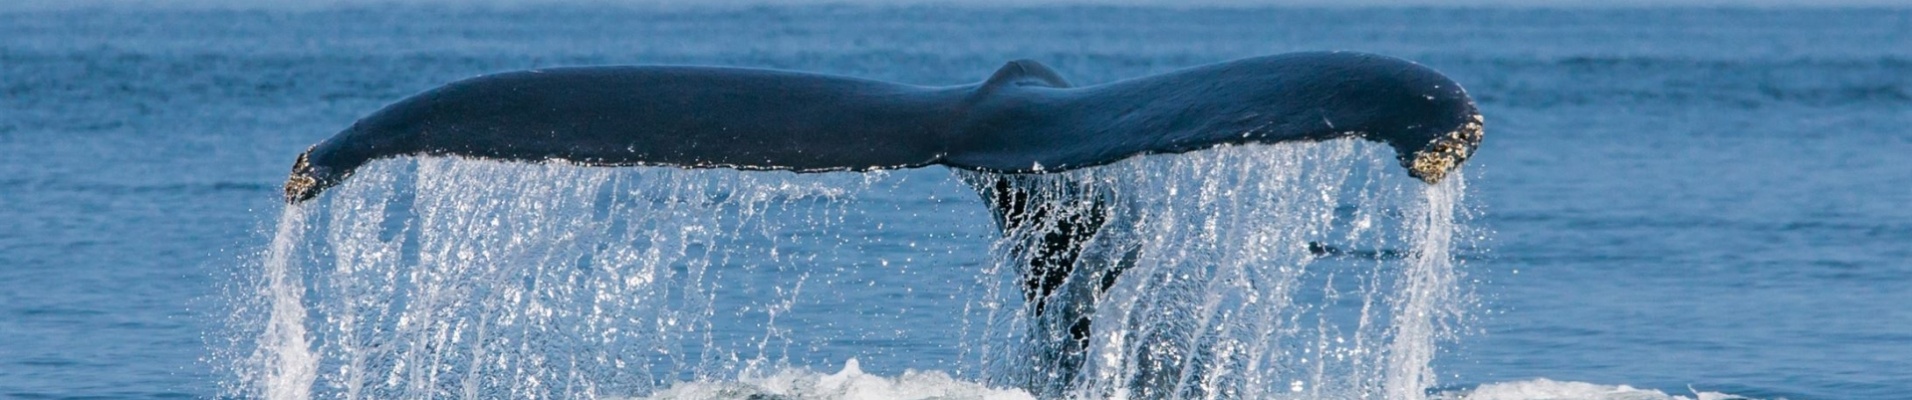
(1673,198)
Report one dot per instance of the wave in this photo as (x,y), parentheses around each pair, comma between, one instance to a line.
(851,383)
(1548,389)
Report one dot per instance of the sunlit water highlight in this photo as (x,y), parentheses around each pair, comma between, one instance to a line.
(434,278)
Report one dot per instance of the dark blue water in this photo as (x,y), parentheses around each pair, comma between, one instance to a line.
(1673,199)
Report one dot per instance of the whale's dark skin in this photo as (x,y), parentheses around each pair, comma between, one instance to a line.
(1024,120)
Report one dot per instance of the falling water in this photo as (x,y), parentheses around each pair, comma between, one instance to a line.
(435,278)
(284,357)
(1229,289)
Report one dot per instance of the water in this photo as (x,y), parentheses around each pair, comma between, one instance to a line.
(561,281)
(1683,201)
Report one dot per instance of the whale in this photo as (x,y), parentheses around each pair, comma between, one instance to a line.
(1024,119)
(1006,134)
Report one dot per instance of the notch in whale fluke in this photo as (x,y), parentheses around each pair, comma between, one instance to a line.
(1024,119)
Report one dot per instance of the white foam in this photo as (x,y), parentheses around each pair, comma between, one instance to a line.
(1547,389)
(851,383)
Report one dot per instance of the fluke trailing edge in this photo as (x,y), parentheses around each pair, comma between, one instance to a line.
(1024,119)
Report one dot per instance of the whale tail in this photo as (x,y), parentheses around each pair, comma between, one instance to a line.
(308,178)
(302,185)
(1444,154)
(1008,135)
(1024,119)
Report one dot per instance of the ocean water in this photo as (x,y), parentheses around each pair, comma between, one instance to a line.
(1670,202)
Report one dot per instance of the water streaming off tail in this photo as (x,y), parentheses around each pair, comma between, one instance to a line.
(283,359)
(440,278)
(1306,271)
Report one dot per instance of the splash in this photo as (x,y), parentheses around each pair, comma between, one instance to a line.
(437,277)
(1220,295)
(1426,294)
(287,365)
(851,383)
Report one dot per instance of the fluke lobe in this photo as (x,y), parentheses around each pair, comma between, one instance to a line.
(1024,119)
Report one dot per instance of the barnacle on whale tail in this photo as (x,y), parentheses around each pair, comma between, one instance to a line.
(303,184)
(1445,153)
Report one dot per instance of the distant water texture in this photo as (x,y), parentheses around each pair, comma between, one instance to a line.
(1670,203)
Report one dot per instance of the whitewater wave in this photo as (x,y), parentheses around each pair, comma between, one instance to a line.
(1548,389)
(851,383)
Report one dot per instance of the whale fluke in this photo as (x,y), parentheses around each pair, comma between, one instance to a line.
(1024,119)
